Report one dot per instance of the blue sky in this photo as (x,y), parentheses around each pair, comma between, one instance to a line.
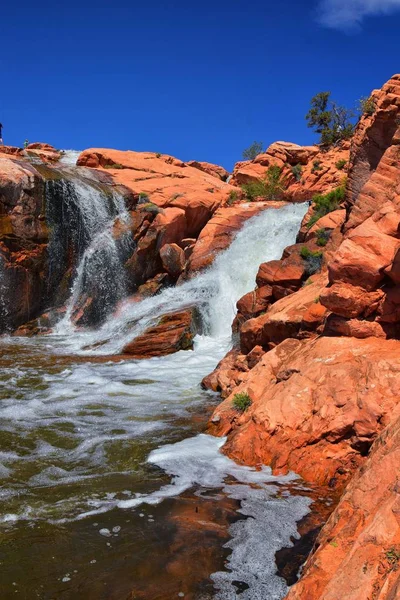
(195,80)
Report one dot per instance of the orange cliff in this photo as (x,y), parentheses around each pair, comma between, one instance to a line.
(319,360)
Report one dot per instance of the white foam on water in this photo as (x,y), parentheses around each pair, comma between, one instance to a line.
(69,157)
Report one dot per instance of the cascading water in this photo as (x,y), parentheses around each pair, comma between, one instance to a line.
(82,217)
(97,453)
(3,295)
(215,292)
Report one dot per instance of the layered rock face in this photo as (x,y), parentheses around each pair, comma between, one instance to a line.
(357,555)
(320,374)
(23,238)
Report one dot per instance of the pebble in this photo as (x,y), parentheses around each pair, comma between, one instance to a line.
(106,532)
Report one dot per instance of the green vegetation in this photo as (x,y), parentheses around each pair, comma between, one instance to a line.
(114,166)
(341,164)
(253,150)
(241,401)
(313,260)
(143,197)
(232,198)
(271,187)
(367,106)
(150,207)
(326,203)
(297,171)
(331,121)
(316,166)
(393,556)
(323,236)
(306,253)
(158,155)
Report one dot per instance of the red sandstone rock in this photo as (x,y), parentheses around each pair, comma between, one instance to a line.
(319,173)
(357,554)
(350,301)
(285,273)
(368,250)
(284,319)
(167,181)
(173,259)
(173,332)
(320,420)
(254,303)
(360,329)
(374,173)
(209,168)
(168,227)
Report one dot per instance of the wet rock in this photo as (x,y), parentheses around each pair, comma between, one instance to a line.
(172,333)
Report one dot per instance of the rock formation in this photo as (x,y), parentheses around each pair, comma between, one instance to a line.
(320,375)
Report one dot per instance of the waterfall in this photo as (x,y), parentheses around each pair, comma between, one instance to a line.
(4,300)
(82,216)
(214,292)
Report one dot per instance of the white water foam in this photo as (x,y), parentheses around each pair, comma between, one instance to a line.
(215,292)
(69,157)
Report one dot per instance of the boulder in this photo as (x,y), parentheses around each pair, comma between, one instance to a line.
(172,333)
(173,259)
(322,419)
(214,170)
(349,300)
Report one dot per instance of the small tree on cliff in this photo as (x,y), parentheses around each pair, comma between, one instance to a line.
(331,121)
(252,151)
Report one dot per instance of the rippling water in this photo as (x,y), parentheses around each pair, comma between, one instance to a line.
(108,487)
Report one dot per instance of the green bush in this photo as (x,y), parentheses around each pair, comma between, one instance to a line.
(252,151)
(114,166)
(323,236)
(367,106)
(232,198)
(241,401)
(313,260)
(143,197)
(316,166)
(341,164)
(306,253)
(271,187)
(323,204)
(297,171)
(150,207)
(158,155)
